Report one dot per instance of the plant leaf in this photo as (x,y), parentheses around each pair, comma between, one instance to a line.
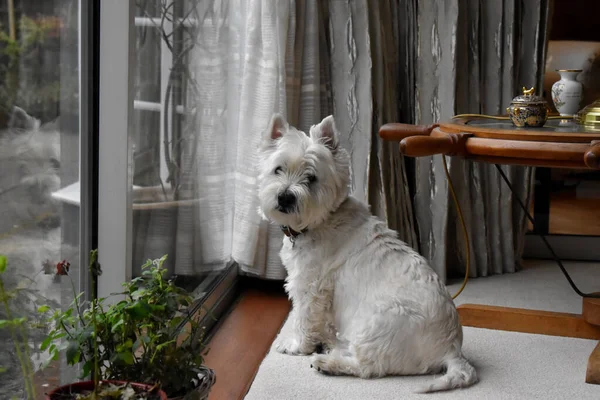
(87,368)
(46,343)
(73,354)
(127,357)
(139,309)
(3,262)
(43,309)
(116,325)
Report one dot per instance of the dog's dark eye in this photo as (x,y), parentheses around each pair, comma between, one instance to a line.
(278,170)
(311,179)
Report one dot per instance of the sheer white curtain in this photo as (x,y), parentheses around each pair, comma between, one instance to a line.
(305,59)
(253,58)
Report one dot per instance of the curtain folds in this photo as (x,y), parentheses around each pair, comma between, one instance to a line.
(474,57)
(368,63)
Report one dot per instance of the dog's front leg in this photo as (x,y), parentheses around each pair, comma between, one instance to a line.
(311,323)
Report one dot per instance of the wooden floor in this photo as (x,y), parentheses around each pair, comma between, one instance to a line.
(572,215)
(242,341)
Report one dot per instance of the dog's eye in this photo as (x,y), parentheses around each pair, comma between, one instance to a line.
(311,179)
(278,170)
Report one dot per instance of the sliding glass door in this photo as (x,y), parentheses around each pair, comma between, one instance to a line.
(151,198)
(47,176)
(98,150)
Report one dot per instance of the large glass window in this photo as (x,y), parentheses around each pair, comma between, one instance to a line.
(40,170)
(157,195)
(170,211)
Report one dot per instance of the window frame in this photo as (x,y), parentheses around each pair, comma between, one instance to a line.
(115,148)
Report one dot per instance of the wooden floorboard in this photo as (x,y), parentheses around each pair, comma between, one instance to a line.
(242,341)
(527,321)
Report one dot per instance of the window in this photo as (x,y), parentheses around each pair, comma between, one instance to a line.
(149,203)
(43,128)
(95,153)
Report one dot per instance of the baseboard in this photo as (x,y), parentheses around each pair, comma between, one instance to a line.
(566,247)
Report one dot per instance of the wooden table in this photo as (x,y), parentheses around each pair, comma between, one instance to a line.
(559,144)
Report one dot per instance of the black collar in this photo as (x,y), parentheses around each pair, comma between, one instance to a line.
(292,234)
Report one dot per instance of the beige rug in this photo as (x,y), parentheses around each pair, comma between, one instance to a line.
(510,365)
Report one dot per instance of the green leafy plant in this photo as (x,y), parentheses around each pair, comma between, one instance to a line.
(147,336)
(18,332)
(21,331)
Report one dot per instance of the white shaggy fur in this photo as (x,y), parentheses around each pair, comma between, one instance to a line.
(366,297)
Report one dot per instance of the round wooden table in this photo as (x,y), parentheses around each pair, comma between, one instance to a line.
(559,144)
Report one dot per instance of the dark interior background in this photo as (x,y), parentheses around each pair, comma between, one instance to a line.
(576,20)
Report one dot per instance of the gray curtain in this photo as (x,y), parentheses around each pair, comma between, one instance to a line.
(368,85)
(472,57)
(368,63)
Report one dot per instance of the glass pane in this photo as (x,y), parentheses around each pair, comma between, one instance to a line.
(575,202)
(39,160)
(172,212)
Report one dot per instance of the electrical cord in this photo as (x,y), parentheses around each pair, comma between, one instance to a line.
(503,118)
(554,256)
(521,204)
(464,228)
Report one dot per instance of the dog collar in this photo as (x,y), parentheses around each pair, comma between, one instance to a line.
(292,234)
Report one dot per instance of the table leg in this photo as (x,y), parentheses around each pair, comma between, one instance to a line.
(591,314)
(585,325)
(527,321)
(592,374)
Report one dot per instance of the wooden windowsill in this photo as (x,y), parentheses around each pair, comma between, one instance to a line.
(243,339)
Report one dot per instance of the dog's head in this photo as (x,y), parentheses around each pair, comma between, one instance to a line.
(302,178)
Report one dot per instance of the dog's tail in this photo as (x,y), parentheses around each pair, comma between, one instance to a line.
(459,374)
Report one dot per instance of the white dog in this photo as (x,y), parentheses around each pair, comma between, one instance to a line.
(366,297)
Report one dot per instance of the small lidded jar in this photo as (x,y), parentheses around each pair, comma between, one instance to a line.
(528,110)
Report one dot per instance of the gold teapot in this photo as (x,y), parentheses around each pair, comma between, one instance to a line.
(528,110)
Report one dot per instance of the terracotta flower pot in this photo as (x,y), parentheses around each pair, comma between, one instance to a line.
(79,387)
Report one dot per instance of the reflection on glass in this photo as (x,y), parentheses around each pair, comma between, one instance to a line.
(574,202)
(173,213)
(39,164)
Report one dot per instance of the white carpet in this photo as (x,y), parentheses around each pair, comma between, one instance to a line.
(510,365)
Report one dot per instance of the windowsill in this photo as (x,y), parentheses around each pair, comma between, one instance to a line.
(71,194)
(243,339)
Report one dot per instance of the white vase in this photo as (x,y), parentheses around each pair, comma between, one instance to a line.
(567,92)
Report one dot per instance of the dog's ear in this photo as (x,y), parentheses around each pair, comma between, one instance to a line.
(326,132)
(19,119)
(276,129)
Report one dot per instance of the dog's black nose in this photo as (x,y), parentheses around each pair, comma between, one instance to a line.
(286,201)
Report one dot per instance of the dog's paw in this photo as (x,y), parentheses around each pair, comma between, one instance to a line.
(324,348)
(291,345)
(322,363)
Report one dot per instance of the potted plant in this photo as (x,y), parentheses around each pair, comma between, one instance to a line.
(18,336)
(20,330)
(146,336)
(76,330)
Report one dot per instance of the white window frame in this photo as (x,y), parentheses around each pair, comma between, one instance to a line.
(117,54)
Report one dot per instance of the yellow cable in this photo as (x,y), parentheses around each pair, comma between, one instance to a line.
(503,118)
(456,203)
(464,227)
